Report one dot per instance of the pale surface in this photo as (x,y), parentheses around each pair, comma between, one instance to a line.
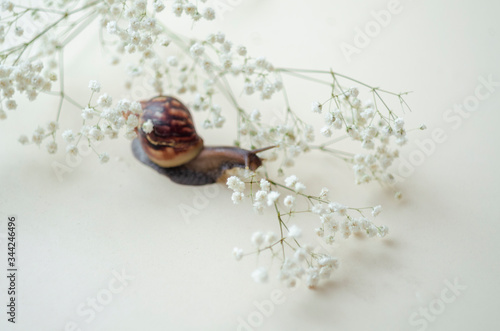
(122,216)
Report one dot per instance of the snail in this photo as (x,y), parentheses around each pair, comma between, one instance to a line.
(174,149)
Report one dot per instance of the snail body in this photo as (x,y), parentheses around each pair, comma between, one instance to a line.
(174,149)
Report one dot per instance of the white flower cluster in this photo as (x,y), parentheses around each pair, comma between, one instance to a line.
(306,263)
(40,134)
(110,120)
(129,21)
(200,68)
(347,225)
(180,7)
(256,72)
(298,267)
(138,8)
(28,78)
(364,123)
(262,198)
(139,31)
(100,120)
(217,58)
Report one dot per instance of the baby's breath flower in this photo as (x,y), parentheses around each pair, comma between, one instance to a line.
(68,136)
(158,6)
(255,115)
(132,122)
(257,239)
(130,134)
(190,9)
(237,253)
(399,123)
(105,100)
(52,126)
(207,124)
(320,232)
(260,195)
(208,13)
(289,201)
(177,8)
(258,207)
(316,107)
(237,197)
(164,41)
(147,127)
(324,192)
(72,150)
(197,49)
(52,147)
(272,197)
(265,185)
(328,261)
(7,5)
(291,181)
(371,231)
(354,92)
(261,61)
(87,113)
(235,184)
(241,50)
(326,131)
(299,187)
(376,210)
(294,232)
(260,275)
(300,254)
(248,88)
(338,208)
(94,86)
(219,37)
(96,134)
(104,157)
(112,27)
(23,139)
(10,104)
(383,231)
(37,138)
(317,209)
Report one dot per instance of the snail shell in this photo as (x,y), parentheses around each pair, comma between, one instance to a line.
(174,140)
(175,150)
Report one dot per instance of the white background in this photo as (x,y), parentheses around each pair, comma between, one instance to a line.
(124,217)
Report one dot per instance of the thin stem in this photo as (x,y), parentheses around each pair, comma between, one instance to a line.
(340,75)
(61,82)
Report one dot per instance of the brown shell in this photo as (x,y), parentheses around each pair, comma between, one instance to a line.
(174,140)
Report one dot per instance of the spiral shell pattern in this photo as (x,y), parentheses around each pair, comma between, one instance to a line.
(174,140)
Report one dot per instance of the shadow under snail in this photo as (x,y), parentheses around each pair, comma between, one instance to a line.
(174,149)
